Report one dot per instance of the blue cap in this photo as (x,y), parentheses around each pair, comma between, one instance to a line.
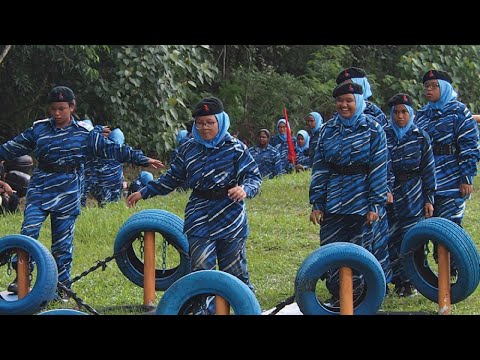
(117,136)
(145,177)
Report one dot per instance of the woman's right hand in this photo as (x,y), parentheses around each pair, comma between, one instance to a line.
(316,216)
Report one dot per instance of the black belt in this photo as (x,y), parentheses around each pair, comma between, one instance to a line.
(350,169)
(405,176)
(212,194)
(50,168)
(448,149)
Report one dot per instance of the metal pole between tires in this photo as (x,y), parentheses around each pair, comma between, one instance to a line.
(222,307)
(23,273)
(346,291)
(444,304)
(149,269)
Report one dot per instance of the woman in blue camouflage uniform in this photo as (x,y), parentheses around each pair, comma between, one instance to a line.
(348,188)
(266,156)
(411,181)
(279,142)
(314,122)
(61,145)
(104,177)
(454,135)
(302,150)
(222,173)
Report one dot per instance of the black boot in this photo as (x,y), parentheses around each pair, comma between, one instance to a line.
(13,287)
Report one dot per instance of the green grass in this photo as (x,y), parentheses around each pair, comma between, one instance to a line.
(281,238)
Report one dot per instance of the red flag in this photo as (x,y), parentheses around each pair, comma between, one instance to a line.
(292,156)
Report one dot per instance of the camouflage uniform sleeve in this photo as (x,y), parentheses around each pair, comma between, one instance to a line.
(22,144)
(99,147)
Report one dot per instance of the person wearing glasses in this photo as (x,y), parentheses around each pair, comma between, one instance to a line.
(221,173)
(411,182)
(348,187)
(314,121)
(454,134)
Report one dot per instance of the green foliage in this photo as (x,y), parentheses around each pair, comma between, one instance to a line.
(322,71)
(255,100)
(462,62)
(28,73)
(146,89)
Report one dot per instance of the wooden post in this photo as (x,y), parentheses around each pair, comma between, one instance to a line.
(149,269)
(222,307)
(346,291)
(23,276)
(444,307)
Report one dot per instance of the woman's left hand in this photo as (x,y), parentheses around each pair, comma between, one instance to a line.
(237,193)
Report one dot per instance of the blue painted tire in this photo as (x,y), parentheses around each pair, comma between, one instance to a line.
(462,250)
(336,255)
(62,312)
(170,226)
(44,289)
(205,282)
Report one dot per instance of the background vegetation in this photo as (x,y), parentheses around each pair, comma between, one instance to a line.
(148,90)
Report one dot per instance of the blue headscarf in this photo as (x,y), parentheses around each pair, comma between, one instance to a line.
(282,136)
(117,136)
(401,131)
(318,121)
(447,93)
(367,92)
(223,124)
(358,112)
(181,135)
(307,140)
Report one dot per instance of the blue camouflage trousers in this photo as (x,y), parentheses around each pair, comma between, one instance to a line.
(398,228)
(354,229)
(452,209)
(62,227)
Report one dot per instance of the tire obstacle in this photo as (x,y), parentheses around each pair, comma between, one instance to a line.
(29,301)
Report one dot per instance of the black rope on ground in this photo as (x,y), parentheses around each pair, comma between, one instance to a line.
(284,303)
(78,300)
(100,264)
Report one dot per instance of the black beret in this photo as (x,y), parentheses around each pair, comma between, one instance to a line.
(208,106)
(437,74)
(400,99)
(347,88)
(61,94)
(349,73)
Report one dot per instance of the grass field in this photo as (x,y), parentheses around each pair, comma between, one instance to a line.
(281,238)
